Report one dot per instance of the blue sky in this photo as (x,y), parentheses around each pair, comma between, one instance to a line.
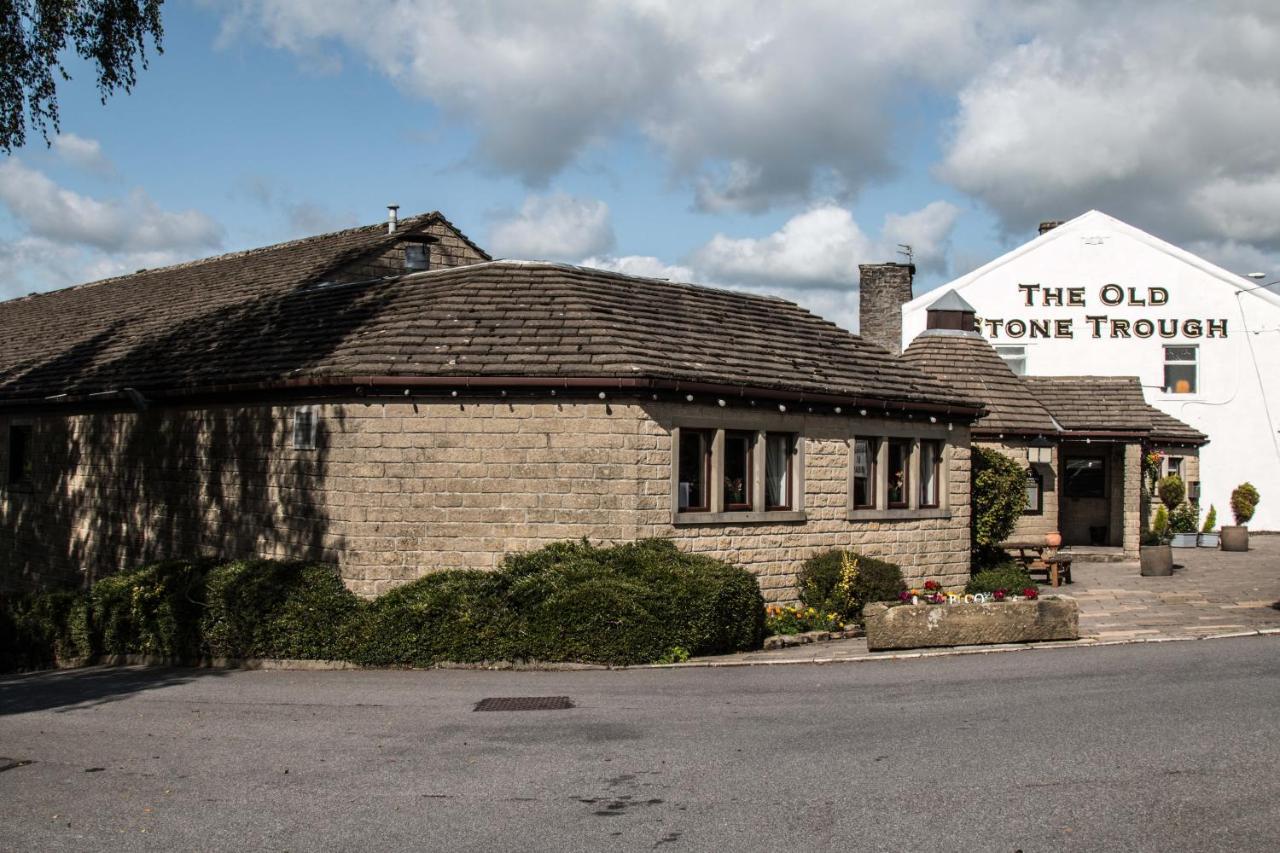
(763,146)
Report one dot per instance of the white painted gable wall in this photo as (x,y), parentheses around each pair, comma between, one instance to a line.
(1237,403)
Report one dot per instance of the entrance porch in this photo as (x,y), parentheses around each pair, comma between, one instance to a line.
(1099,502)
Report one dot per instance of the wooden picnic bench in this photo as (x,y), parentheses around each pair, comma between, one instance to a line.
(1038,558)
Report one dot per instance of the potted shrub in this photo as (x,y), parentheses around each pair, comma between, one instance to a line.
(1208,536)
(1244,500)
(1183,521)
(1154,551)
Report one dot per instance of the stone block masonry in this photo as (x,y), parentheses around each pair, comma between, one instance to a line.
(395,490)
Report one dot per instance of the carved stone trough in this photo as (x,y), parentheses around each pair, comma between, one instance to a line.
(915,626)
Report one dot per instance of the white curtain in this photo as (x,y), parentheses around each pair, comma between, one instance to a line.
(777,488)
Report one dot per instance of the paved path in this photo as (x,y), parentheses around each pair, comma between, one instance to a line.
(1210,593)
(1151,747)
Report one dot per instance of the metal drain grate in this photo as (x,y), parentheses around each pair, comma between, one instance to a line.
(525,703)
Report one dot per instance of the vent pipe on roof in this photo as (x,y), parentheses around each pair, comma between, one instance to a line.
(393,218)
(1049,224)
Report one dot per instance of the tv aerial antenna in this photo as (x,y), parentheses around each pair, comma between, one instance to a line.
(906,252)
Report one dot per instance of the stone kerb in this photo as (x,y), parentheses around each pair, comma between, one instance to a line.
(913,626)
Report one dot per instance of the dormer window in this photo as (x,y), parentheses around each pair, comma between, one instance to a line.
(416,257)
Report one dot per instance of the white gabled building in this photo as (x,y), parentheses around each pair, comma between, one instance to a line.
(1095,296)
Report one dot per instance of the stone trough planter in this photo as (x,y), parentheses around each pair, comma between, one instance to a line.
(914,626)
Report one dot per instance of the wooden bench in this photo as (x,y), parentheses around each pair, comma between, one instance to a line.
(1056,566)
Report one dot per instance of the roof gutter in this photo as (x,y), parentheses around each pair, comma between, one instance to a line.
(497,383)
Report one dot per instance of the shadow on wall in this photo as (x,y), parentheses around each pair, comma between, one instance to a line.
(112,490)
(116,490)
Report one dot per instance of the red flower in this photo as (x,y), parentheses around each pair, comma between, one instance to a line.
(904,596)
(999,594)
(1030,593)
(931,585)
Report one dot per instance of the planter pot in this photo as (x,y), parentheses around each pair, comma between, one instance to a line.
(1235,538)
(1184,540)
(1157,561)
(914,626)
(1053,540)
(1209,540)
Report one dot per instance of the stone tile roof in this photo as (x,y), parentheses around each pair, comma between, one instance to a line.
(1165,427)
(1093,403)
(966,363)
(268,317)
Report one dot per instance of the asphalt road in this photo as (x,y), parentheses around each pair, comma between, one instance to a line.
(1161,747)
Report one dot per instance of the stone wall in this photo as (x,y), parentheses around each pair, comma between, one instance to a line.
(394,490)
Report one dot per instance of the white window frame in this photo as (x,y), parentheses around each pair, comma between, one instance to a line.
(1015,356)
(1194,362)
(879,438)
(304,439)
(717,514)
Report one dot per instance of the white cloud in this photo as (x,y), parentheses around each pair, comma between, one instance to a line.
(132,224)
(1164,116)
(751,103)
(644,266)
(811,260)
(556,227)
(82,153)
(35,264)
(822,247)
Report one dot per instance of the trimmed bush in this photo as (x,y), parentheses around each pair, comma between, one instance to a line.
(1011,579)
(1244,500)
(154,610)
(36,631)
(1160,524)
(633,603)
(1210,520)
(569,601)
(1171,491)
(269,609)
(825,587)
(999,496)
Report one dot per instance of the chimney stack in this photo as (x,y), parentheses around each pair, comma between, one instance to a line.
(883,290)
(1049,224)
(393,217)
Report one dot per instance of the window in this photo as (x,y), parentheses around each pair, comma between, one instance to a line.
(737,471)
(864,473)
(1180,369)
(416,257)
(1085,478)
(304,429)
(19,455)
(930,473)
(777,470)
(899,488)
(695,471)
(1035,493)
(1173,465)
(1015,357)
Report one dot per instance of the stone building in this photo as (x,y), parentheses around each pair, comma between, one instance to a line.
(1081,439)
(397,403)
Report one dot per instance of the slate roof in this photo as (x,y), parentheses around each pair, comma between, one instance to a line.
(1094,403)
(965,362)
(1167,428)
(264,317)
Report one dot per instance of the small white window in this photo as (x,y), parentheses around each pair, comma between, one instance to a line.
(1181,369)
(304,429)
(1015,357)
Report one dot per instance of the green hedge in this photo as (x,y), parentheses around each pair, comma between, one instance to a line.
(821,587)
(1012,579)
(633,603)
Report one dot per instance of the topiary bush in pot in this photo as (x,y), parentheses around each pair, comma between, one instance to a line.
(1244,501)
(1171,491)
